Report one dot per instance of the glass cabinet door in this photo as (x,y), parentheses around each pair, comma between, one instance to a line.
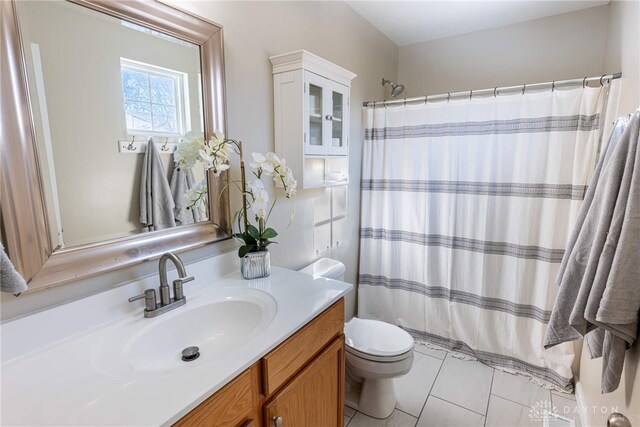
(315,121)
(326,113)
(337,145)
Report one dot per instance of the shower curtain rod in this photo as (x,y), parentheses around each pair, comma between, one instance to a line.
(494,91)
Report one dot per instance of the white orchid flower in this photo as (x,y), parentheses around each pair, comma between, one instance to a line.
(187,152)
(196,194)
(260,198)
(257,160)
(273,159)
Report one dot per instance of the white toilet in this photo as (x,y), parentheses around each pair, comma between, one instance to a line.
(376,352)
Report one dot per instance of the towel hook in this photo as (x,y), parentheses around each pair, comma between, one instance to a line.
(584,83)
(164,147)
(132,147)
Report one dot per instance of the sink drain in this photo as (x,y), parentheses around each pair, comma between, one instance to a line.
(190,354)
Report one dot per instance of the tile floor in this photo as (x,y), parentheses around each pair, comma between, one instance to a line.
(443,391)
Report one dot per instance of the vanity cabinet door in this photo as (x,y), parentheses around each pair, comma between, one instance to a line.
(315,396)
(236,405)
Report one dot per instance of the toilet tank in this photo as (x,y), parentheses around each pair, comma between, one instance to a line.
(326,267)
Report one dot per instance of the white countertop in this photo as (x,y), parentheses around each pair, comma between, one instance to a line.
(53,370)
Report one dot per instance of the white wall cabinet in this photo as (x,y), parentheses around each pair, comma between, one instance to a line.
(311,117)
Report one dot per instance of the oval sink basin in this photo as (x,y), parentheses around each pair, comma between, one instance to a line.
(216,325)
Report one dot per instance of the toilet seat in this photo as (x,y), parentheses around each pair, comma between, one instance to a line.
(372,358)
(377,341)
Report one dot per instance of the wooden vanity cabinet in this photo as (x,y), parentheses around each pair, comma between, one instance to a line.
(299,383)
(314,397)
(237,404)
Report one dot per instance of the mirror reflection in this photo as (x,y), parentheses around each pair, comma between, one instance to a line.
(102,90)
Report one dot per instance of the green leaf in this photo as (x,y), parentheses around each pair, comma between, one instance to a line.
(253,231)
(249,240)
(243,250)
(269,233)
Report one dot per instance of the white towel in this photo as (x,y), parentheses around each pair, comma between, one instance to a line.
(181,181)
(10,280)
(156,201)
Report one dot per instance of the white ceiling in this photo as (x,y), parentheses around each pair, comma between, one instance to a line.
(410,22)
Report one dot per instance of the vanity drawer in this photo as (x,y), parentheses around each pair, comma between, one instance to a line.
(291,356)
(236,404)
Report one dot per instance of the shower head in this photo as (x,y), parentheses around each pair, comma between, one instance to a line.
(395,88)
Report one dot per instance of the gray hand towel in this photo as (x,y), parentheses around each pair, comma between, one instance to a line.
(10,280)
(599,276)
(156,201)
(181,181)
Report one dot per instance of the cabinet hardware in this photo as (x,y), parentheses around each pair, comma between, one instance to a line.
(277,421)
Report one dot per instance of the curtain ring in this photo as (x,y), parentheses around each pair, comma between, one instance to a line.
(495,92)
(448,96)
(425,99)
(601,84)
(524,88)
(553,86)
(384,104)
(470,94)
(584,83)
(404,101)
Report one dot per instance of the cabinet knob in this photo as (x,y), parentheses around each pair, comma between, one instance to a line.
(329,117)
(277,421)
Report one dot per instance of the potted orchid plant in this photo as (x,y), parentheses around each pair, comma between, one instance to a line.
(256,236)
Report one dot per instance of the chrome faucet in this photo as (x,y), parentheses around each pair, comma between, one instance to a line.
(154,308)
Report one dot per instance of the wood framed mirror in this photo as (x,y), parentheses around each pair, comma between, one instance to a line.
(24,210)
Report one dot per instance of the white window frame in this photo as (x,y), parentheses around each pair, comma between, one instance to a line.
(181,96)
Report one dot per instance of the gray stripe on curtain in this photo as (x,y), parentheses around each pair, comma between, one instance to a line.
(491,127)
(495,248)
(495,359)
(520,310)
(551,191)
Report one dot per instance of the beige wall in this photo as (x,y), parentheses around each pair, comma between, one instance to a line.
(559,47)
(253,31)
(80,50)
(622,53)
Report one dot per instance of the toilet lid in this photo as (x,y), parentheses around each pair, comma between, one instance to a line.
(376,338)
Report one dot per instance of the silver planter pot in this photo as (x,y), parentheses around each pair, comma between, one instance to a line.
(255,264)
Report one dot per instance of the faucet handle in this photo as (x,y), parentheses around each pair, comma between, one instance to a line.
(149,299)
(178,292)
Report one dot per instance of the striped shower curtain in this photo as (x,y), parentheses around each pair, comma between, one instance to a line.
(466,210)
